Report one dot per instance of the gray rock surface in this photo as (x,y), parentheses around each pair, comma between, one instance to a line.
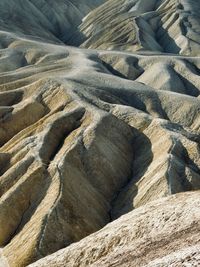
(170,26)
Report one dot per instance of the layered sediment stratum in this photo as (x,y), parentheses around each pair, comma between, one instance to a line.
(158,25)
(149,236)
(88,135)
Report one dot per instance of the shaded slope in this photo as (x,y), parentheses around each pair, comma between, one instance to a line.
(162,26)
(48,20)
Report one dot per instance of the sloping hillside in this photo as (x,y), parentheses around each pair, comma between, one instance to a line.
(88,135)
(169,26)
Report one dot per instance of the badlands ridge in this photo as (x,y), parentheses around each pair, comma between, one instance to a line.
(99,133)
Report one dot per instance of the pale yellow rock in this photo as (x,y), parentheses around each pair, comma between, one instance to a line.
(162,233)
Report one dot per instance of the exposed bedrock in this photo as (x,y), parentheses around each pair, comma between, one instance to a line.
(163,233)
(81,147)
(139,25)
(45,20)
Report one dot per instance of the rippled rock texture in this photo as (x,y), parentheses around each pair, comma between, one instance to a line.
(170,26)
(87,136)
(150,236)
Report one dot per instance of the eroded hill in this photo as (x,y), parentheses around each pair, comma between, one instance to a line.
(89,135)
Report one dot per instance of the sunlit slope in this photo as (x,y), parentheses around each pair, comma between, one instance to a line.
(164,26)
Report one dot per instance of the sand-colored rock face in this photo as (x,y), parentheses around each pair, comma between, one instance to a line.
(89,135)
(141,238)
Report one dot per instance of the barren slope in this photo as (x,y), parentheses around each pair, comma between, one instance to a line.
(156,25)
(53,21)
(147,237)
(89,135)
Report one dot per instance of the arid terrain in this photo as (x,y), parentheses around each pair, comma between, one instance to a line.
(99,133)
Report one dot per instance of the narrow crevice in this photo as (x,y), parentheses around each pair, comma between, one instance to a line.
(19,225)
(113,71)
(62,140)
(32,204)
(141,145)
(58,131)
(177,177)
